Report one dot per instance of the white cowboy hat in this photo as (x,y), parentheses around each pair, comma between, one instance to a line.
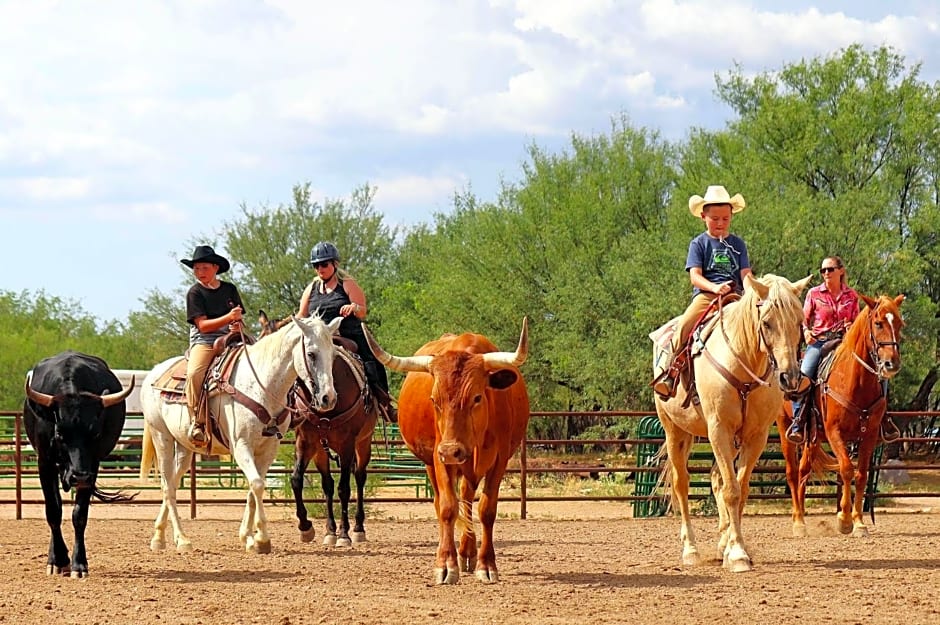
(715,194)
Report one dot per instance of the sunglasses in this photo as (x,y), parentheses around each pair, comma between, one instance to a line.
(825,270)
(322,264)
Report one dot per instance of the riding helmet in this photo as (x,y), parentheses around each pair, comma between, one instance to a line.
(322,251)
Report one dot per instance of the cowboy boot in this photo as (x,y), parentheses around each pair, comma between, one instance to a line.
(801,406)
(197,431)
(889,430)
(384,401)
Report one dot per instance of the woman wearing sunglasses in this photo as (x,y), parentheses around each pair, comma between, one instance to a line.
(828,311)
(334,293)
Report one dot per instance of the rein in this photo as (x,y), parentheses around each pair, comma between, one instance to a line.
(256,407)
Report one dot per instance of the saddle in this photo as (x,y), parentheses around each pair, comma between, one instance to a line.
(679,366)
(226,349)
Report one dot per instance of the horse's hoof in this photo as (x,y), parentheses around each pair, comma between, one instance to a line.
(799,531)
(845,529)
(446,576)
(78,574)
(329,540)
(157,544)
(860,532)
(691,558)
(307,536)
(343,542)
(467,565)
(260,546)
(184,546)
(54,569)
(738,566)
(487,577)
(358,537)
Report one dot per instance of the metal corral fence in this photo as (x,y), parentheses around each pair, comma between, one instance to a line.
(633,460)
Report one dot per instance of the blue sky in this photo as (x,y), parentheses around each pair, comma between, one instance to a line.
(129,128)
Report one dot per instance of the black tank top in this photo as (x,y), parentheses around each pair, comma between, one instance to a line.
(327,306)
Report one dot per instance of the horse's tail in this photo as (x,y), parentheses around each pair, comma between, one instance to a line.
(148,453)
(821,461)
(107,496)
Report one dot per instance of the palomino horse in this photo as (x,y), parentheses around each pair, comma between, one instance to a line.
(261,375)
(852,404)
(735,405)
(344,432)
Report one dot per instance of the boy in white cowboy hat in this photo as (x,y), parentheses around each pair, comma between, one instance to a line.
(214,308)
(717,264)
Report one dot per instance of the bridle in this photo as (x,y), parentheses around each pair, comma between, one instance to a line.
(874,346)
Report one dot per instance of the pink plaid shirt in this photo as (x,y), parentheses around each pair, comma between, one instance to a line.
(826,312)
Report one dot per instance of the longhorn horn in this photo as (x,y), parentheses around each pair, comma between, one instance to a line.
(409,363)
(115,398)
(511,359)
(40,398)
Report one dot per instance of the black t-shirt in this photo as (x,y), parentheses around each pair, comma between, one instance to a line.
(212,304)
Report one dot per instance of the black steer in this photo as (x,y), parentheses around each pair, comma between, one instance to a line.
(74,413)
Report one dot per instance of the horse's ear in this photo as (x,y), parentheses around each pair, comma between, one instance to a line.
(800,285)
(872,303)
(334,325)
(899,299)
(750,282)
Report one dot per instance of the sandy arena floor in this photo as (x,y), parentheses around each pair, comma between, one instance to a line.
(583,564)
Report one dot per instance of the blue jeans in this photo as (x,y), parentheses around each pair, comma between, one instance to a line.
(809,367)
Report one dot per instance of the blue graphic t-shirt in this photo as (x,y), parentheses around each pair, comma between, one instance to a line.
(720,260)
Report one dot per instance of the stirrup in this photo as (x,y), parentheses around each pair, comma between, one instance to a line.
(889,431)
(795,434)
(271,429)
(197,435)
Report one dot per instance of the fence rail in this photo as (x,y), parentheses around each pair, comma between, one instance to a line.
(395,466)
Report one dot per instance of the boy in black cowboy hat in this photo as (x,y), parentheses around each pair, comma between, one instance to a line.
(214,308)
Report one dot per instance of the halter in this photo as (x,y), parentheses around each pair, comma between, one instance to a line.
(873,345)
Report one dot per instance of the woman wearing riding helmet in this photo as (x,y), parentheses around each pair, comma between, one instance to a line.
(335,293)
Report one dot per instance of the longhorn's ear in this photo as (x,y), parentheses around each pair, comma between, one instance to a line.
(502,379)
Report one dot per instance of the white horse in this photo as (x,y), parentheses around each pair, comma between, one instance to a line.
(752,339)
(263,372)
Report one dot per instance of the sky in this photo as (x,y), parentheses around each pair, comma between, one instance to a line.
(130,129)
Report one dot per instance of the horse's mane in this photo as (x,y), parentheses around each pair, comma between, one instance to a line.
(741,317)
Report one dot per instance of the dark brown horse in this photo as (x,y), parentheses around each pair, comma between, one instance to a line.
(851,403)
(343,434)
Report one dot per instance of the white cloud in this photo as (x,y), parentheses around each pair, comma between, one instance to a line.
(52,189)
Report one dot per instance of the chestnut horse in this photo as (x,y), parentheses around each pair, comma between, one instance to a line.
(735,406)
(343,434)
(852,403)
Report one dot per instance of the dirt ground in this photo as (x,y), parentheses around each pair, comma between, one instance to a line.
(567,563)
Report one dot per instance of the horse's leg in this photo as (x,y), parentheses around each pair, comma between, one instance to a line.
(247,526)
(259,541)
(735,557)
(753,443)
(678,447)
(327,484)
(846,473)
(865,450)
(724,515)
(363,455)
(346,458)
(467,547)
(303,451)
(800,480)
(793,468)
(173,460)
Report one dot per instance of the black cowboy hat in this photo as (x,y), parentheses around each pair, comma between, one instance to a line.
(205,254)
